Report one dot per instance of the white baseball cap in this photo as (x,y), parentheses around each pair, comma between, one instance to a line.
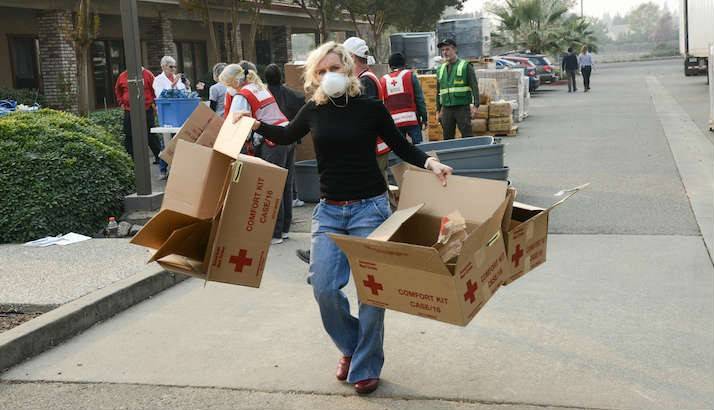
(356,46)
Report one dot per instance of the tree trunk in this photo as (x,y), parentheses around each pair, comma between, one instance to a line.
(82,80)
(236,42)
(211,31)
(250,53)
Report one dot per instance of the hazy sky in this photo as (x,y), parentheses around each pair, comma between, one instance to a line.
(594,7)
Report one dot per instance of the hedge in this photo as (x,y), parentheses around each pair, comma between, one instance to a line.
(111,120)
(60,173)
(22,96)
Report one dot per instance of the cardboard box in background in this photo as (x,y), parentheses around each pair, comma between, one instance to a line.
(526,235)
(219,211)
(201,127)
(397,267)
(479,125)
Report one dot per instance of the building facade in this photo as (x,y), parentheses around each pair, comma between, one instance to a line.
(36,51)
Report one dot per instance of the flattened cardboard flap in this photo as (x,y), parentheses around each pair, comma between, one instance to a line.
(423,258)
(566,194)
(477,199)
(389,227)
(160,227)
(399,169)
(232,136)
(189,241)
(195,125)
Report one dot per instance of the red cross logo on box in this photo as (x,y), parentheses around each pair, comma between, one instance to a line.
(516,258)
(241,260)
(471,289)
(373,285)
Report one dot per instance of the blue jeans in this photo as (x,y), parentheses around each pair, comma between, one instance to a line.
(360,337)
(414,132)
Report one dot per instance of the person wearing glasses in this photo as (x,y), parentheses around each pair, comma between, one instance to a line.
(168,78)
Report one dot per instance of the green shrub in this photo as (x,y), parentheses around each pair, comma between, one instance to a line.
(60,173)
(22,96)
(111,120)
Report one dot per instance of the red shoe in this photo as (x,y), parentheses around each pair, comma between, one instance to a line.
(343,367)
(366,386)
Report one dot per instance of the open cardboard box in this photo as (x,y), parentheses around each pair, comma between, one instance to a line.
(219,210)
(397,267)
(201,127)
(526,235)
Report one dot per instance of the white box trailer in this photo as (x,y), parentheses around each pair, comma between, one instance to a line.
(696,34)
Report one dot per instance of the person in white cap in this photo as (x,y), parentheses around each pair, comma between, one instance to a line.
(371,88)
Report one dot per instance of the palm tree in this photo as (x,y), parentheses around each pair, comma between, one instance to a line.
(540,26)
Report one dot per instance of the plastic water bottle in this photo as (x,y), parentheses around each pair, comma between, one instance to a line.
(112,227)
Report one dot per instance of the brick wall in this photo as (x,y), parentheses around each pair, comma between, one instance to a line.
(58,61)
(159,41)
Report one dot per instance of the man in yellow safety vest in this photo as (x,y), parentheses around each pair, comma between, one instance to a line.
(457,96)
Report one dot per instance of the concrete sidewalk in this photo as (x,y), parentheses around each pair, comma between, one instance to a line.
(570,334)
(52,276)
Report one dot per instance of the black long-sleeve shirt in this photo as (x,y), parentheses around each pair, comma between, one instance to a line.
(570,62)
(344,140)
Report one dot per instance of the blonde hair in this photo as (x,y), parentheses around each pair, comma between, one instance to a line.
(238,75)
(584,49)
(312,79)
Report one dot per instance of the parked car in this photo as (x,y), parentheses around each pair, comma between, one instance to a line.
(530,70)
(544,68)
(502,63)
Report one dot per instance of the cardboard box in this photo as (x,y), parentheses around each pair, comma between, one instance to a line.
(201,127)
(482,112)
(479,125)
(502,124)
(526,235)
(219,211)
(500,109)
(397,267)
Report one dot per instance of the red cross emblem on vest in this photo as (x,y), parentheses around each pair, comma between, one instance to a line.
(516,258)
(241,260)
(394,82)
(373,285)
(471,289)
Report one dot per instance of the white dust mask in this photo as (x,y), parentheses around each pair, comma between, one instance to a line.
(334,84)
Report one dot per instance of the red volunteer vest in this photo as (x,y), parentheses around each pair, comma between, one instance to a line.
(382,147)
(399,97)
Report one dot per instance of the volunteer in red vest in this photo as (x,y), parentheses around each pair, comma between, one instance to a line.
(252,95)
(404,99)
(344,125)
(371,88)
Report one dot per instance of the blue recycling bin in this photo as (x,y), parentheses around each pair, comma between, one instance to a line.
(173,112)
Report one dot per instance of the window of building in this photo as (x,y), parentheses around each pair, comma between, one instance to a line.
(192,60)
(107,63)
(24,52)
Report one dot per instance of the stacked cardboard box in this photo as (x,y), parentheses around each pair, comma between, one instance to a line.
(428,86)
(509,86)
(500,118)
(219,208)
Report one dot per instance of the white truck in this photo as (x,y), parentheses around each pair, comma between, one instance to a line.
(696,34)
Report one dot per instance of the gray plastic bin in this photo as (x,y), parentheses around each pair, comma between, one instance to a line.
(476,157)
(500,174)
(440,145)
(308,180)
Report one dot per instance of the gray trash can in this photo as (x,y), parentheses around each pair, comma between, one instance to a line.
(448,144)
(500,174)
(308,180)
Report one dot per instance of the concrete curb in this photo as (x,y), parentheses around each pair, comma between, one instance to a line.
(52,328)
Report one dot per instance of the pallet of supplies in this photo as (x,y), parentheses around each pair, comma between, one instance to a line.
(482,112)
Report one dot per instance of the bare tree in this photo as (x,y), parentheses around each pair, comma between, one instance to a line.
(85,30)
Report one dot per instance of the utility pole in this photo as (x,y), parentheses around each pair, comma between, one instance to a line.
(145,198)
(581,8)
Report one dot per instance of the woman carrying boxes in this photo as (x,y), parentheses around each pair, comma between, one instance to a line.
(345,125)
